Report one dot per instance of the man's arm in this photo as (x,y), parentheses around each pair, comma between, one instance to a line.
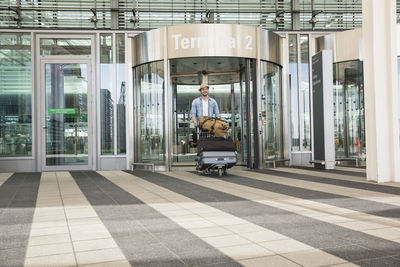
(216,110)
(194,120)
(193,113)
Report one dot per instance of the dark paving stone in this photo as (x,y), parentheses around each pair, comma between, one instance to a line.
(12,257)
(145,236)
(361,205)
(324,180)
(379,262)
(341,172)
(354,253)
(329,237)
(17,206)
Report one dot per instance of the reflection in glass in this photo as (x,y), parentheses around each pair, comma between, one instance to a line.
(349,121)
(271,111)
(294,92)
(65,46)
(106,95)
(149,113)
(121,88)
(15,95)
(66,114)
(305,92)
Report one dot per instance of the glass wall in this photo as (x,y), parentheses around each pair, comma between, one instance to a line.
(107,97)
(305,92)
(149,113)
(349,121)
(294,92)
(299,82)
(271,111)
(15,95)
(112,93)
(121,90)
(63,46)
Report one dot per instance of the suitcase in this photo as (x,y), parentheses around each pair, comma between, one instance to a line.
(215,154)
(215,144)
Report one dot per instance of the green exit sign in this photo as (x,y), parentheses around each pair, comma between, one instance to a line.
(61,111)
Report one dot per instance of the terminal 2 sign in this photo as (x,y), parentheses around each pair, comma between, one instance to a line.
(219,40)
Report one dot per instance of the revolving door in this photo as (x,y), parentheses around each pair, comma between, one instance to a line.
(246,85)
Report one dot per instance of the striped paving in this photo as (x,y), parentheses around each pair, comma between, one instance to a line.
(145,236)
(275,217)
(66,230)
(322,195)
(387,228)
(331,238)
(237,238)
(17,202)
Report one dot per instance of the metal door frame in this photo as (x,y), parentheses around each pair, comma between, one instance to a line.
(42,119)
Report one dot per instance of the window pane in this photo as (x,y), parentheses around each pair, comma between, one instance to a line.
(66,114)
(15,95)
(305,92)
(121,86)
(58,46)
(349,110)
(271,111)
(294,94)
(149,111)
(106,95)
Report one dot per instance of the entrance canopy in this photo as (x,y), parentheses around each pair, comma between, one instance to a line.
(205,40)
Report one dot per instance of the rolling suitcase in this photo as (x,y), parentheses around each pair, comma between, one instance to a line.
(214,154)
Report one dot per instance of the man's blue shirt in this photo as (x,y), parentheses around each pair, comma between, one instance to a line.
(197,108)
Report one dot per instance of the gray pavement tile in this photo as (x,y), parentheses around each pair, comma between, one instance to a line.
(147,238)
(330,237)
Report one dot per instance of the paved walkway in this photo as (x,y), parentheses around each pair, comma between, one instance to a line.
(274,217)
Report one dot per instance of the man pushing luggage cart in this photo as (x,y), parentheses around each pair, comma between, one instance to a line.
(215,152)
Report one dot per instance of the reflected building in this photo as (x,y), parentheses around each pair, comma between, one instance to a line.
(106,117)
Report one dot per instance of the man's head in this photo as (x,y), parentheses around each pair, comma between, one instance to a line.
(204,89)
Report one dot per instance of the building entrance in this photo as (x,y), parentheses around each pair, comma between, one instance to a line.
(227,80)
(241,66)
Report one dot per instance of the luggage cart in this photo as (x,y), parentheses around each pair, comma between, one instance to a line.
(214,154)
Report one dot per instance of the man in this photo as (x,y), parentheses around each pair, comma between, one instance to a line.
(203,105)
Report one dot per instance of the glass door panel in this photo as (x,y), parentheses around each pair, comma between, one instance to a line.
(66,114)
(271,112)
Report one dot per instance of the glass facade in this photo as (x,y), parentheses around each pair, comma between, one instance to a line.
(15,95)
(112,93)
(299,82)
(66,47)
(144,14)
(149,113)
(349,121)
(271,111)
(305,92)
(294,91)
(107,96)
(121,93)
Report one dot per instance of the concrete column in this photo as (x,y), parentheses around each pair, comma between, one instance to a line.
(114,14)
(381,95)
(295,15)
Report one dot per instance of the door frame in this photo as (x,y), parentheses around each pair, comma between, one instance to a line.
(42,115)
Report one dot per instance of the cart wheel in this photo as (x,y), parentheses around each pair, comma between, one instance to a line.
(220,172)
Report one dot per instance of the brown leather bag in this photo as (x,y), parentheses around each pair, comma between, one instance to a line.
(214,126)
